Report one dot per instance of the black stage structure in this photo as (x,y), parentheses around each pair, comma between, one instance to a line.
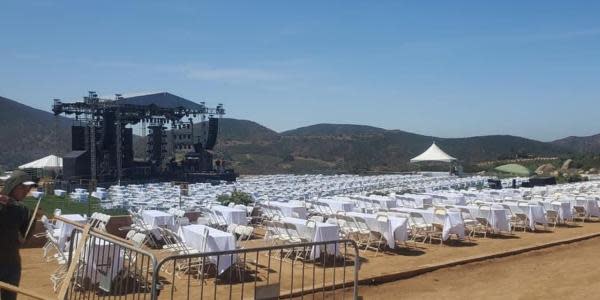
(103,140)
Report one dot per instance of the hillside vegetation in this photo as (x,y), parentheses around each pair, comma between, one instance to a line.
(251,148)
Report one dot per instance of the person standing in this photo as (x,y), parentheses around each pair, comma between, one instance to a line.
(14,220)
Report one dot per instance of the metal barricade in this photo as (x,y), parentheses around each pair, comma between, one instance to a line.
(104,266)
(322,269)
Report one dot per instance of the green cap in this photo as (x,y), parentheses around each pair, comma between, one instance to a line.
(17,177)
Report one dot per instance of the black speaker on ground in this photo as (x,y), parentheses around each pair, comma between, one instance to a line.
(494,184)
(213,129)
(542,181)
(76,164)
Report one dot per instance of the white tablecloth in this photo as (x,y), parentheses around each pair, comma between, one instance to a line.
(323,232)
(414,201)
(395,230)
(217,241)
(232,215)
(590,205)
(452,221)
(450,199)
(563,208)
(385,203)
(290,209)
(65,229)
(453,224)
(101,257)
(338,205)
(496,216)
(535,213)
(37,194)
(100,194)
(156,218)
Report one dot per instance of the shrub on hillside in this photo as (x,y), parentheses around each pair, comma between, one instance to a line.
(236,197)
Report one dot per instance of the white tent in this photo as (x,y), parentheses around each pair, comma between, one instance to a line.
(48,162)
(433,153)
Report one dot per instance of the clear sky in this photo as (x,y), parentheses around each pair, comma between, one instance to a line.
(443,68)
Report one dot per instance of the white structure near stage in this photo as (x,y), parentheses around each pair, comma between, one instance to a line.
(48,162)
(433,153)
(50,165)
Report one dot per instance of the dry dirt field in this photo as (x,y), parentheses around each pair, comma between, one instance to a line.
(562,272)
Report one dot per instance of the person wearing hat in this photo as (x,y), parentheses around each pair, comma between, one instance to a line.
(14,221)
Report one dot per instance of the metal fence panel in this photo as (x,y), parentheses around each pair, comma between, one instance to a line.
(295,271)
(107,268)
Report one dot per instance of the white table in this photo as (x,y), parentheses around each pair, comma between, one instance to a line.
(338,204)
(414,200)
(100,194)
(590,205)
(385,202)
(495,215)
(563,208)
(217,241)
(232,215)
(37,194)
(106,259)
(101,256)
(66,229)
(60,193)
(395,230)
(156,218)
(290,209)
(450,199)
(452,221)
(323,232)
(535,213)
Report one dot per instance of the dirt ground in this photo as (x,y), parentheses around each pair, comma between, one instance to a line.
(560,270)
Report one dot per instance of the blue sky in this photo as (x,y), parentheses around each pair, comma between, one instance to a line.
(443,68)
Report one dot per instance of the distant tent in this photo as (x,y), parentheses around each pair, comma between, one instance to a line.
(514,169)
(433,153)
(48,162)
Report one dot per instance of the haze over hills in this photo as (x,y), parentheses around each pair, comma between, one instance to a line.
(28,134)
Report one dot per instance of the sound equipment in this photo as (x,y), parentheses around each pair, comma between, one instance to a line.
(213,130)
(78,138)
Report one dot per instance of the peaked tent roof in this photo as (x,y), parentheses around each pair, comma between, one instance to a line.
(433,153)
(48,162)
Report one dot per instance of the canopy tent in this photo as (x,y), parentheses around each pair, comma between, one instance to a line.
(48,162)
(515,169)
(433,153)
